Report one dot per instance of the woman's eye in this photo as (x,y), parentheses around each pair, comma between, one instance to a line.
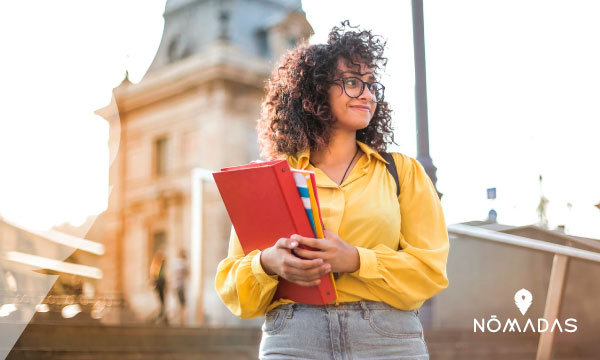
(351,82)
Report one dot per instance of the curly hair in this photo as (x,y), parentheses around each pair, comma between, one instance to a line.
(295,113)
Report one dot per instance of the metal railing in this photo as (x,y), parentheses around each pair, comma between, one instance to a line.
(556,286)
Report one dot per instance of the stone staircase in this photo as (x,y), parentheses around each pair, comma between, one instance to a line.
(96,342)
(46,341)
(451,345)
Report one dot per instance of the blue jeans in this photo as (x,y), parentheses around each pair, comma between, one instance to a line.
(350,331)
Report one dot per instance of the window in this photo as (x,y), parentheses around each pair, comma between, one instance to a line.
(173,50)
(292,42)
(160,156)
(263,44)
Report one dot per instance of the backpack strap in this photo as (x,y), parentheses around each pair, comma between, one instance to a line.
(391,166)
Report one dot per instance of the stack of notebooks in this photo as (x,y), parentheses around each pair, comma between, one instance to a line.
(267,201)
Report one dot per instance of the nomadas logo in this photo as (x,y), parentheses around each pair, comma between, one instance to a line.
(523,300)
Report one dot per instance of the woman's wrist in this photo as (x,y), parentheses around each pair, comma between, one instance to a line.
(264,262)
(353,260)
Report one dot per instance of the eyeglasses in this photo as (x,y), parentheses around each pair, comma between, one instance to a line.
(354,87)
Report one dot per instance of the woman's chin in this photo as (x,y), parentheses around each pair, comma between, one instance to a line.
(363,124)
(354,124)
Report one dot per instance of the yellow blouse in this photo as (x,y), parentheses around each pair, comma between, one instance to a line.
(364,212)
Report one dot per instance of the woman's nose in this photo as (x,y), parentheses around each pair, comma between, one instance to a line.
(367,94)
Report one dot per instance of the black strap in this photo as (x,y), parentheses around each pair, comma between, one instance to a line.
(391,166)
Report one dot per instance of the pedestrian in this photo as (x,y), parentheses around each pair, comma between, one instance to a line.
(325,111)
(180,274)
(159,280)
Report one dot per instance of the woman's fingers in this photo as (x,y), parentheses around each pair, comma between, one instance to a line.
(330,235)
(308,254)
(301,264)
(317,272)
(286,243)
(307,278)
(320,244)
(308,283)
(304,270)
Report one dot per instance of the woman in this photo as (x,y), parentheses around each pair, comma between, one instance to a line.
(324,111)
(180,275)
(158,278)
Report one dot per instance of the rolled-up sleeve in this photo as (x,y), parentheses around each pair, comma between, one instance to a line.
(241,282)
(418,271)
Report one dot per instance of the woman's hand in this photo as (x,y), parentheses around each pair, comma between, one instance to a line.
(278,259)
(342,256)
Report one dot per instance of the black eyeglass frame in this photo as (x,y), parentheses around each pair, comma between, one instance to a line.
(362,88)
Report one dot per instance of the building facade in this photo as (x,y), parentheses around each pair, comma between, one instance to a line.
(196,108)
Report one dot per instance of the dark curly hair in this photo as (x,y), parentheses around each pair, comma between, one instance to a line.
(295,113)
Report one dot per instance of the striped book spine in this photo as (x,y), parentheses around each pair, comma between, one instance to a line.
(315,206)
(302,186)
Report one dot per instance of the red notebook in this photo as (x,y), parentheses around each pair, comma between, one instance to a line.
(264,205)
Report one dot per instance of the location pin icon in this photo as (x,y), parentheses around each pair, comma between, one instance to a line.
(523,299)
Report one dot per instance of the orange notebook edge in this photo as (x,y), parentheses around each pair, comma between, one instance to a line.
(318,223)
(326,289)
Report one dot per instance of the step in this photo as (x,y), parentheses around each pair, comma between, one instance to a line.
(80,341)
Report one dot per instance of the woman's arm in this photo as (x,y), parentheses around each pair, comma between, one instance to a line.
(418,271)
(246,284)
(242,284)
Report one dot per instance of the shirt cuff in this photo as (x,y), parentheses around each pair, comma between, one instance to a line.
(261,276)
(368,264)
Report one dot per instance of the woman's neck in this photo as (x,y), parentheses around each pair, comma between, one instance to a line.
(340,150)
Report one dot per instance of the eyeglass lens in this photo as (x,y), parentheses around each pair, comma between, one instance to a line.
(354,87)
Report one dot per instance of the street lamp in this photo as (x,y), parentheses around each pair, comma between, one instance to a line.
(421,93)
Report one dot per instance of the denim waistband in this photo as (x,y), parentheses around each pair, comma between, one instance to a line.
(358,305)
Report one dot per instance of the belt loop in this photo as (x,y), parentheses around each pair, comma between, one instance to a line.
(365,310)
(290,312)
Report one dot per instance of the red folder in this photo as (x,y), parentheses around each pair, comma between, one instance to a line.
(264,205)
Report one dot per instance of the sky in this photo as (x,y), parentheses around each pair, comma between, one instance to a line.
(513,89)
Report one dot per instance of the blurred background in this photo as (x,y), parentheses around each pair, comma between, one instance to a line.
(116,112)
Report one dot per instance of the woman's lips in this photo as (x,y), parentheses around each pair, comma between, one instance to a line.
(360,108)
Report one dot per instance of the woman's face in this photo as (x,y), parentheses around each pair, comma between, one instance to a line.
(352,113)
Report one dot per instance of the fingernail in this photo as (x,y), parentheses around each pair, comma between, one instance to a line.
(294,243)
(295,237)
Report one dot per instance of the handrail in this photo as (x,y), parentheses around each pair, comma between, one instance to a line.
(558,273)
(485,234)
(59,237)
(40,262)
